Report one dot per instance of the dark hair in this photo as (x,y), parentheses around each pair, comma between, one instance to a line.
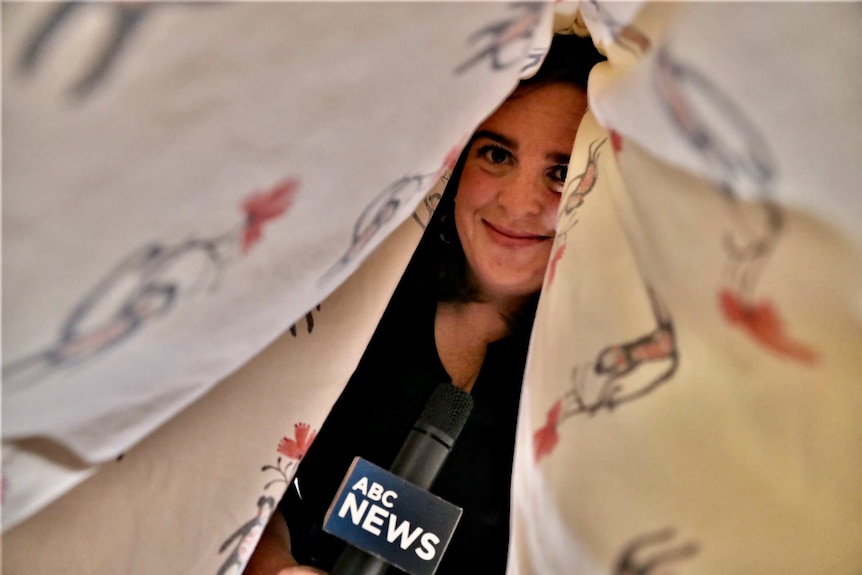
(569,61)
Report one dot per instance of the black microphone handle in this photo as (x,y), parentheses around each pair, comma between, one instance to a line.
(355,561)
(419,460)
(421,457)
(423,454)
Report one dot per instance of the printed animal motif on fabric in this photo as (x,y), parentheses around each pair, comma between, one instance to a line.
(147,284)
(508,39)
(376,215)
(620,373)
(245,538)
(243,541)
(383,208)
(423,213)
(578,188)
(652,553)
(574,194)
(126,19)
(309,322)
(532,61)
(734,153)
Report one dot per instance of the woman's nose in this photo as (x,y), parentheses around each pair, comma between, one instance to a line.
(520,194)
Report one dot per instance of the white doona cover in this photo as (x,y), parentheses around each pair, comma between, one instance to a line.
(207,206)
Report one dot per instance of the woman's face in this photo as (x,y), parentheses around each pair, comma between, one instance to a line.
(506,207)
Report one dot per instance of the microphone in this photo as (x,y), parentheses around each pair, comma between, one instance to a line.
(433,435)
(383,536)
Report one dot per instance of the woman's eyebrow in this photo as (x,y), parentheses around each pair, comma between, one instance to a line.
(499,138)
(559,157)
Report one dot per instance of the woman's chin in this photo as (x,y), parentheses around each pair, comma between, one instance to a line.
(511,288)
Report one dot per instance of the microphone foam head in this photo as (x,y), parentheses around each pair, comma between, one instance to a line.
(448,409)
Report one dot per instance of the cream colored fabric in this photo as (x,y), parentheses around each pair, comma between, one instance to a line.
(182,183)
(691,402)
(193,496)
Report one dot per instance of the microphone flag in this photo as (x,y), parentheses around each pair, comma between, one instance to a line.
(392,519)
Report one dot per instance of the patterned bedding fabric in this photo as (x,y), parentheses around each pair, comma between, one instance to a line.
(206,208)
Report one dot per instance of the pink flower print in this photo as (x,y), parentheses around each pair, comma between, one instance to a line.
(555,259)
(261,207)
(616,142)
(296,448)
(546,438)
(762,323)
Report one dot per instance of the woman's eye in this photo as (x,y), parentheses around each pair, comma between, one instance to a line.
(558,173)
(495,154)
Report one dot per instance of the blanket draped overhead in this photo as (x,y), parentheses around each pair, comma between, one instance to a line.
(207,207)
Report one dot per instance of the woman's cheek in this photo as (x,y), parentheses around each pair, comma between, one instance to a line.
(480,182)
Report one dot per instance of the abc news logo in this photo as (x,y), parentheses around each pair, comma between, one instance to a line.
(386,516)
(376,516)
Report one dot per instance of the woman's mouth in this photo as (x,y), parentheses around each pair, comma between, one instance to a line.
(510,238)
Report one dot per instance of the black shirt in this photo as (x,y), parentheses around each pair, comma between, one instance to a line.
(383,399)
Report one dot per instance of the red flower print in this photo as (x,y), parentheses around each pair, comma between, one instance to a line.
(616,142)
(761,322)
(546,438)
(261,207)
(296,449)
(554,260)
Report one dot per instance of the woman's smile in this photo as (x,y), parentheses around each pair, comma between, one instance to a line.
(512,238)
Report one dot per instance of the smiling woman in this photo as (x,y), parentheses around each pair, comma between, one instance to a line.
(510,188)
(462,313)
(505,214)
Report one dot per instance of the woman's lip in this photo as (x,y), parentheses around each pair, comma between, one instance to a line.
(512,238)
